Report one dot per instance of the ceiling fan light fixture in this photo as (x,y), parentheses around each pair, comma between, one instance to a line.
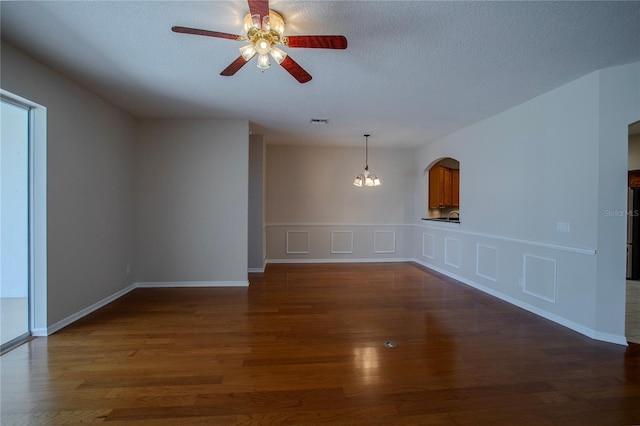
(248,51)
(264,36)
(263,61)
(278,54)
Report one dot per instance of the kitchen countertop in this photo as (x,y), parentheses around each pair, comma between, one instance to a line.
(442,219)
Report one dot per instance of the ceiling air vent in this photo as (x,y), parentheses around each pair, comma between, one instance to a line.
(319,120)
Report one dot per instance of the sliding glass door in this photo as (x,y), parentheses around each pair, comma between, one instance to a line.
(14,224)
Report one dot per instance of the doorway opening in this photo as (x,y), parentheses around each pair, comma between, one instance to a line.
(443,190)
(632,306)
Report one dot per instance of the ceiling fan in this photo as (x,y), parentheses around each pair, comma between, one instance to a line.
(265,29)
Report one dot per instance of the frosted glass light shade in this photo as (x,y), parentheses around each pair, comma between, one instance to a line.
(263,61)
(278,55)
(248,51)
(367,179)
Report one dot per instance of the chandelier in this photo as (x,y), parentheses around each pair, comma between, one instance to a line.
(367,178)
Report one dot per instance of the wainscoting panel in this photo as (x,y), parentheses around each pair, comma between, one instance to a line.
(341,242)
(540,277)
(384,242)
(297,242)
(555,281)
(452,252)
(337,242)
(487,262)
(429,245)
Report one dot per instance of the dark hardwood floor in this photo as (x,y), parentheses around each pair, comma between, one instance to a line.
(303,345)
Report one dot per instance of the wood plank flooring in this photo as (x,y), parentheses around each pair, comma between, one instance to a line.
(303,345)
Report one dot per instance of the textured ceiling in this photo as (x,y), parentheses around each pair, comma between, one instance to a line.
(414,71)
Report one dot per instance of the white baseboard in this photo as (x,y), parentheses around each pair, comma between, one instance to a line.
(256,270)
(84,312)
(164,284)
(593,334)
(40,332)
(375,260)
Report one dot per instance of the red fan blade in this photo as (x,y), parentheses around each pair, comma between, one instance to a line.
(317,42)
(295,70)
(234,67)
(259,7)
(196,31)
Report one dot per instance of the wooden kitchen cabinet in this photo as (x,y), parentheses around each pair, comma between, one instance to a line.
(634,178)
(455,187)
(436,185)
(443,187)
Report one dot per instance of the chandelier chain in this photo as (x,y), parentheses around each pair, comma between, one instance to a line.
(366,152)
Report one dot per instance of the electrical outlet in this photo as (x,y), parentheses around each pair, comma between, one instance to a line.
(128,270)
(563,227)
(520,283)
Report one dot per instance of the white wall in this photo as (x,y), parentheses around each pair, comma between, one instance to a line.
(191,188)
(619,102)
(560,157)
(311,202)
(89,186)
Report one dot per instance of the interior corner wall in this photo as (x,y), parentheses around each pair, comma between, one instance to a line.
(89,186)
(256,203)
(315,213)
(191,188)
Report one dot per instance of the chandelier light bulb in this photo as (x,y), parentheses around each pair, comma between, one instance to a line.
(263,46)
